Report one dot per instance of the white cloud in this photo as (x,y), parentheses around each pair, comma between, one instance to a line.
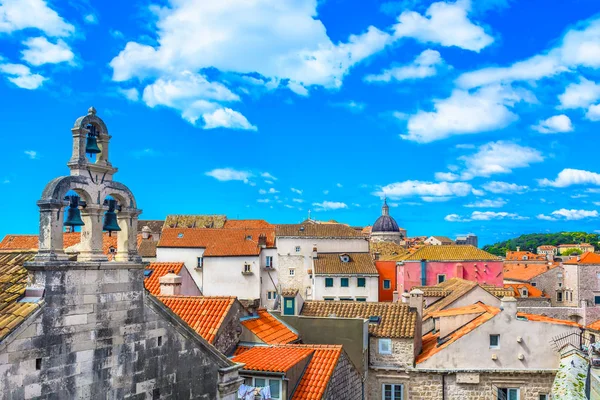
(230,174)
(579,47)
(32,154)
(40,51)
(424,66)
(569,176)
(487,203)
(338,185)
(466,112)
(330,205)
(444,23)
(504,187)
(569,215)
(477,192)
(91,19)
(298,200)
(16,15)
(131,94)
(351,105)
(268,176)
(325,191)
(227,118)
(498,158)
(272,190)
(593,113)
(298,191)
(424,189)
(21,76)
(262,191)
(580,95)
(556,124)
(263,200)
(446,176)
(483,216)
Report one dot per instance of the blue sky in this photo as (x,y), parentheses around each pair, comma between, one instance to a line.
(474,116)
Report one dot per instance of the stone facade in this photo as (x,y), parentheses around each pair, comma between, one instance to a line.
(453,385)
(550,282)
(402,353)
(345,383)
(100,335)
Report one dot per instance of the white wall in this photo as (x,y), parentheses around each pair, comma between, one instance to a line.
(370,291)
(189,256)
(223,277)
(268,277)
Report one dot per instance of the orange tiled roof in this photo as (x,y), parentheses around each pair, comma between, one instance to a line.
(525,272)
(546,247)
(397,321)
(273,359)
(585,258)
(316,377)
(247,224)
(159,269)
(451,253)
(239,349)
(217,242)
(269,329)
(470,309)
(594,325)
(203,314)
(542,318)
(532,291)
(318,230)
(518,255)
(430,341)
(13,279)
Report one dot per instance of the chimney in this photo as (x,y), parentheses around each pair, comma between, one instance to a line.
(405,297)
(395,296)
(315,253)
(262,240)
(508,305)
(518,248)
(146,232)
(170,284)
(416,303)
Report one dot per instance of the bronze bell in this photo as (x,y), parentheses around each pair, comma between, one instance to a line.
(91,144)
(73,213)
(110,217)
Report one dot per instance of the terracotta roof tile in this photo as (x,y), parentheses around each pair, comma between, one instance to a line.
(247,224)
(526,271)
(147,248)
(203,314)
(396,319)
(389,251)
(451,253)
(13,280)
(159,269)
(542,318)
(518,255)
(585,258)
(333,230)
(273,359)
(594,325)
(332,264)
(269,329)
(217,242)
(314,382)
(532,291)
(470,309)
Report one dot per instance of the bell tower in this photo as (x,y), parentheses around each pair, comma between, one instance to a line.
(100,204)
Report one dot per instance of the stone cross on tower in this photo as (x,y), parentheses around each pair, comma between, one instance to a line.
(93,182)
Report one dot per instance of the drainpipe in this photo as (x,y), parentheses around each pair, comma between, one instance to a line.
(423,274)
(443,386)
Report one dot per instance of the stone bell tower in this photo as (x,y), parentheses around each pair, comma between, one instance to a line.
(92,180)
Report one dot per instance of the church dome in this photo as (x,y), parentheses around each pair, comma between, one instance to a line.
(385,223)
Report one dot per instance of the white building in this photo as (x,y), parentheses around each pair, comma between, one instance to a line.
(225,262)
(295,244)
(438,240)
(345,276)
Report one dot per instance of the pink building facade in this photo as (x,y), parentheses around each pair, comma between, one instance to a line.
(429,273)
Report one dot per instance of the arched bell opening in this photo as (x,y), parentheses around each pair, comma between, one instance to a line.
(120,220)
(93,146)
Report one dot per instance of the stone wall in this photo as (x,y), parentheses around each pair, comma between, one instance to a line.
(100,335)
(300,280)
(230,331)
(458,386)
(533,302)
(345,383)
(402,353)
(548,283)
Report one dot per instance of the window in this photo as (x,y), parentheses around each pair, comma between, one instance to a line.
(441,278)
(596,299)
(524,257)
(292,272)
(544,397)
(247,268)
(387,284)
(534,284)
(271,295)
(159,341)
(38,364)
(297,249)
(385,346)
(344,282)
(361,282)
(329,298)
(180,235)
(494,341)
(345,258)
(508,394)
(200,261)
(269,261)
(559,296)
(361,299)
(274,385)
(392,391)
(559,284)
(328,282)
(112,250)
(345,298)
(524,293)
